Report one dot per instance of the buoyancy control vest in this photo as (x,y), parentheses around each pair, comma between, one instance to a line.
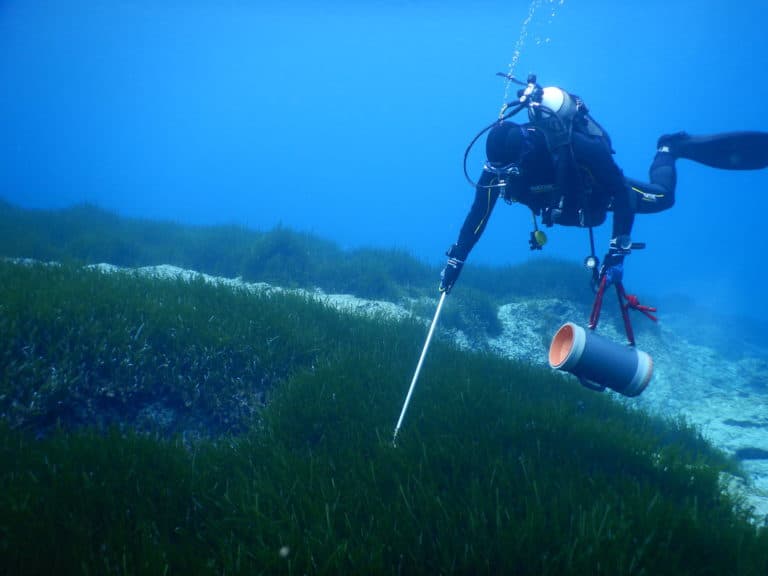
(557,114)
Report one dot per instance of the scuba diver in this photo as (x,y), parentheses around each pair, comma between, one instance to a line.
(560,165)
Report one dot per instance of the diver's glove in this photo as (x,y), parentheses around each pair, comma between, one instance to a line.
(613,263)
(451,272)
(612,268)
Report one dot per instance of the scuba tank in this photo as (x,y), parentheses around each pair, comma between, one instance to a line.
(557,123)
(565,113)
(559,102)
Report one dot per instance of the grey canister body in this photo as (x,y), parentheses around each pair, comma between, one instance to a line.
(592,357)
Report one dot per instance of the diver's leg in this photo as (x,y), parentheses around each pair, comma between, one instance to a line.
(659,193)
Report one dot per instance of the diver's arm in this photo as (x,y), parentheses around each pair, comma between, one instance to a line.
(623,212)
(594,154)
(486,196)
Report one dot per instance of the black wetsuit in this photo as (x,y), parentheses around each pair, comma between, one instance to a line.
(574,191)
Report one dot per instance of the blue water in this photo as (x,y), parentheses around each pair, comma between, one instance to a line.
(350,119)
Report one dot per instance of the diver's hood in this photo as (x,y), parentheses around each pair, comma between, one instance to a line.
(505,144)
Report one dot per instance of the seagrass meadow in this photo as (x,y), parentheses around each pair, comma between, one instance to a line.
(168,426)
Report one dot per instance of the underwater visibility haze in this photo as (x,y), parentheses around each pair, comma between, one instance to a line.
(350,119)
(307,157)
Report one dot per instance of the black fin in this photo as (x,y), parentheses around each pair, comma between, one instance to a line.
(729,150)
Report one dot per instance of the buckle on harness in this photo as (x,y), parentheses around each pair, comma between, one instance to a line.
(502,171)
(503,174)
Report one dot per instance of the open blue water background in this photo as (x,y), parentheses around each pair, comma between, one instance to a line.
(350,119)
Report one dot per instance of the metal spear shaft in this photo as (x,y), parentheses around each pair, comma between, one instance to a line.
(418,366)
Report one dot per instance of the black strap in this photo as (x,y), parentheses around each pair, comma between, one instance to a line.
(593,255)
